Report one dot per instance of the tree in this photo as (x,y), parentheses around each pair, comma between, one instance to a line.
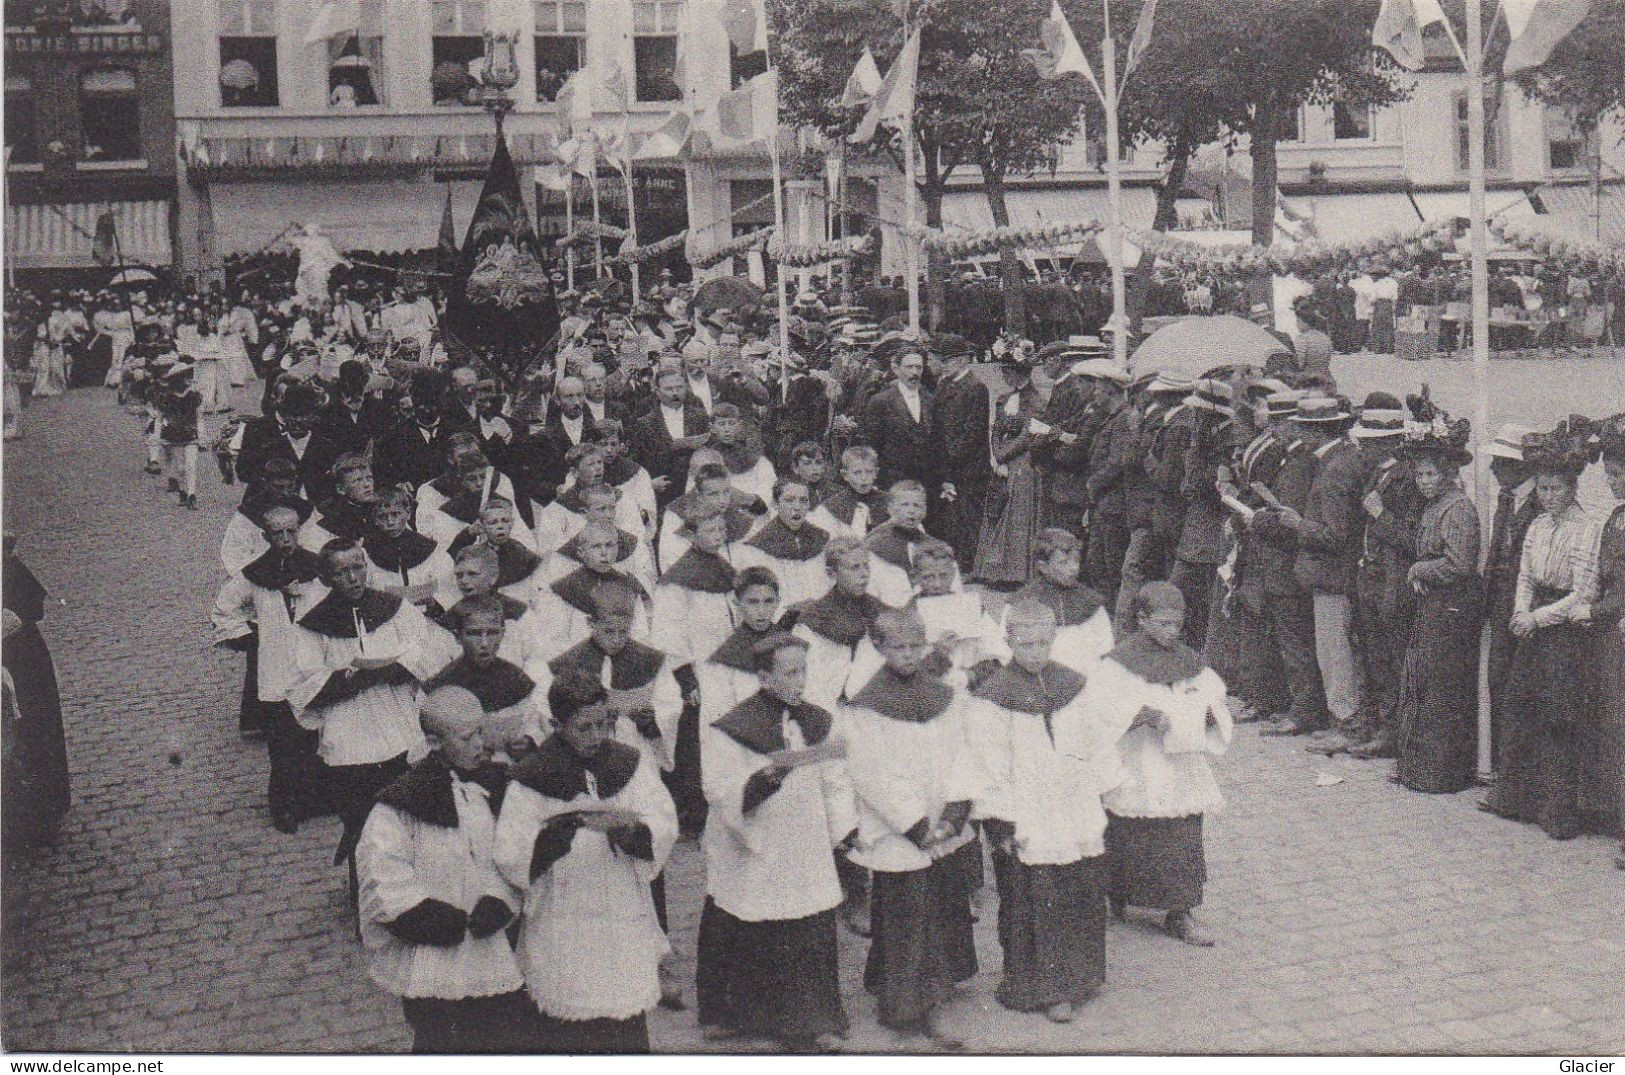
(978,102)
(1586,72)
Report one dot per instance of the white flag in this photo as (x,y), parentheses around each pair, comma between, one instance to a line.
(1061,54)
(863,83)
(1398,30)
(894,102)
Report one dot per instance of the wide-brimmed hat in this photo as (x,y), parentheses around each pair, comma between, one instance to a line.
(1085,346)
(1101,369)
(949,345)
(1165,383)
(1282,404)
(1381,416)
(1508,442)
(1323,410)
(1211,394)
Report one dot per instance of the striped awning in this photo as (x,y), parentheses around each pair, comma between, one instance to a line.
(967,210)
(63,235)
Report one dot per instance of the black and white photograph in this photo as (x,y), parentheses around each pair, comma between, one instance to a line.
(813,528)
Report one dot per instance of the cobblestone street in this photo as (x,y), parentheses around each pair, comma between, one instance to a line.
(171,916)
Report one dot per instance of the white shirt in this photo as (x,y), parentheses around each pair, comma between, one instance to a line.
(673,417)
(702,389)
(911,399)
(573,426)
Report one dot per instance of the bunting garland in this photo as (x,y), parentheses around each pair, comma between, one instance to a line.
(977,244)
(1303,257)
(742,245)
(806,255)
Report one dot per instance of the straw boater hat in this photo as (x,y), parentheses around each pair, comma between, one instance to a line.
(1101,369)
(1283,404)
(1210,394)
(1166,383)
(1323,410)
(1382,416)
(1508,442)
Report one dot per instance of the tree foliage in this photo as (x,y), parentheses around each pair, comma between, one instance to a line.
(1586,72)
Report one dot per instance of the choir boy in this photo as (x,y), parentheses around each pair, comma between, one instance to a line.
(401,560)
(966,642)
(893,542)
(1083,620)
(585,826)
(789,546)
(767,946)
(433,906)
(565,606)
(833,625)
(729,676)
(513,703)
(856,505)
(523,638)
(693,613)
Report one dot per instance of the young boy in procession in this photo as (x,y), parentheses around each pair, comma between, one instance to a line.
(623,474)
(244,539)
(179,406)
(748,469)
(1048,763)
(711,492)
(894,541)
(433,906)
(633,553)
(256,612)
(523,638)
(359,656)
(445,521)
(565,606)
(1082,618)
(836,623)
(856,505)
(585,826)
(566,515)
(767,957)
(916,778)
(402,561)
(519,573)
(1169,710)
(966,642)
(693,612)
(513,704)
(789,546)
(348,512)
(809,462)
(729,676)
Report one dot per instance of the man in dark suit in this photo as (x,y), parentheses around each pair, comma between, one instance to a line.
(462,402)
(286,432)
(353,420)
(595,385)
(663,439)
(570,423)
(961,410)
(414,451)
(897,424)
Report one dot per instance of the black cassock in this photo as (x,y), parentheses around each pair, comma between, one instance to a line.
(36,788)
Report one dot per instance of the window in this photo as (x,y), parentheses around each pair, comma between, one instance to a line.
(1350,122)
(561,44)
(1492,138)
(22,131)
(654,49)
(1566,145)
(248,54)
(355,64)
(459,50)
(110,115)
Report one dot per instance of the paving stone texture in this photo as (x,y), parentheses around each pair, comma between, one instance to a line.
(170,916)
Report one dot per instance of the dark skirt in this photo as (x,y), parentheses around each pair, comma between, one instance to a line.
(35,803)
(1548,697)
(505,1023)
(1603,792)
(923,942)
(1437,717)
(774,979)
(1156,862)
(1010,524)
(1052,926)
(594,1037)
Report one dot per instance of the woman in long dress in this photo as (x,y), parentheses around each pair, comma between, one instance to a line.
(50,364)
(1437,719)
(234,328)
(1010,519)
(1548,693)
(1608,626)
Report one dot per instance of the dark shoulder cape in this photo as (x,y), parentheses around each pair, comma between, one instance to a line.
(273,572)
(343,519)
(256,500)
(735,649)
(625,546)
(424,792)
(916,700)
(1156,664)
(782,543)
(399,553)
(755,723)
(740,458)
(892,544)
(1072,604)
(498,685)
(331,616)
(635,666)
(841,619)
(705,572)
(575,589)
(557,772)
(1014,688)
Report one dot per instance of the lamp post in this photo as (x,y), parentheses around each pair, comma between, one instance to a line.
(500,74)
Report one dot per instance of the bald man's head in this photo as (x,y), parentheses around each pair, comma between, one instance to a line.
(452,720)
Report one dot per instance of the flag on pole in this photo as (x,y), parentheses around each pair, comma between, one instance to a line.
(894,102)
(1142,36)
(332,18)
(863,83)
(746,24)
(1061,54)
(554,175)
(751,113)
(612,84)
(575,101)
(1398,30)
(1548,24)
(1517,14)
(668,140)
(447,245)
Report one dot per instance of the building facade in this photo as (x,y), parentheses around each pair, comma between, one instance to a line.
(89,136)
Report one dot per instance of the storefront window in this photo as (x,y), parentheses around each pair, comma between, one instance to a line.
(248,54)
(654,49)
(561,45)
(110,115)
(21,122)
